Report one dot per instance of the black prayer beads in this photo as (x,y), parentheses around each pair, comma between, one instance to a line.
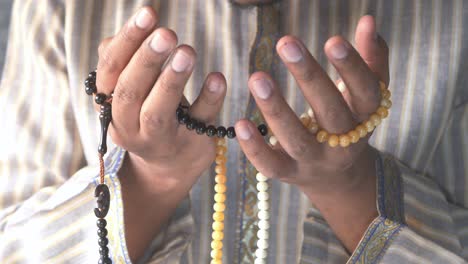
(201,128)
(101,192)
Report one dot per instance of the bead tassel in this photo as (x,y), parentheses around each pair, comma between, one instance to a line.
(219,205)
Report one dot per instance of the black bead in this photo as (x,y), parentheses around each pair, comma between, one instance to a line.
(263,129)
(211,131)
(179,112)
(191,124)
(201,128)
(231,133)
(103,241)
(221,131)
(105,260)
(92,75)
(102,232)
(90,90)
(183,119)
(100,98)
(103,251)
(101,223)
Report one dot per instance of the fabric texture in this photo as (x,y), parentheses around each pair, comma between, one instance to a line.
(48,158)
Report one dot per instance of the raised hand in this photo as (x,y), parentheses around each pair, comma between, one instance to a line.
(339,181)
(147,73)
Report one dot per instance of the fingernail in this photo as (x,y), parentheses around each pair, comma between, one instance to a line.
(215,86)
(243,132)
(181,61)
(144,19)
(262,88)
(339,51)
(291,52)
(159,43)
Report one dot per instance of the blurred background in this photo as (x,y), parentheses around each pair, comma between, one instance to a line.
(5,10)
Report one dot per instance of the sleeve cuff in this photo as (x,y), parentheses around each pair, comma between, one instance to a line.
(169,244)
(391,217)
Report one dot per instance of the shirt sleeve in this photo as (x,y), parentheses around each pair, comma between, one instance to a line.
(46,200)
(421,219)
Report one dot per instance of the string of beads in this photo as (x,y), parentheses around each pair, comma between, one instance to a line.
(201,128)
(219,206)
(101,192)
(360,131)
(263,219)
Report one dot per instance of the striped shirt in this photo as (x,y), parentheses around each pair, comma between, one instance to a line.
(48,160)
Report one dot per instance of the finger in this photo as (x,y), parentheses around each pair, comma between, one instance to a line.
(137,79)
(331,111)
(119,51)
(372,47)
(158,110)
(362,83)
(288,129)
(208,104)
(269,162)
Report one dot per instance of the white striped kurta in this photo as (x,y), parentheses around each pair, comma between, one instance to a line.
(48,160)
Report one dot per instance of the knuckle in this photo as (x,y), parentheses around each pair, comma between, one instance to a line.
(128,35)
(108,62)
(299,149)
(274,111)
(167,85)
(333,114)
(152,122)
(307,75)
(124,93)
(146,60)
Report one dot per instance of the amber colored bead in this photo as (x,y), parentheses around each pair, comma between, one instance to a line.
(386,103)
(382,85)
(220,159)
(386,94)
(322,136)
(217,235)
(220,178)
(305,120)
(353,136)
(369,126)
(216,261)
(216,254)
(220,169)
(333,141)
(219,207)
(216,244)
(218,216)
(382,112)
(218,226)
(361,130)
(220,197)
(220,188)
(375,119)
(313,128)
(345,140)
(220,150)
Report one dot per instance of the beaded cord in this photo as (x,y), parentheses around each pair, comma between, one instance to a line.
(101,192)
(219,205)
(201,128)
(346,139)
(263,219)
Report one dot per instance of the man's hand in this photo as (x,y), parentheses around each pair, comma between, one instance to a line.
(147,73)
(339,181)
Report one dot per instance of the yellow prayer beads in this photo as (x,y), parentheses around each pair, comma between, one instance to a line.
(361,130)
(219,206)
